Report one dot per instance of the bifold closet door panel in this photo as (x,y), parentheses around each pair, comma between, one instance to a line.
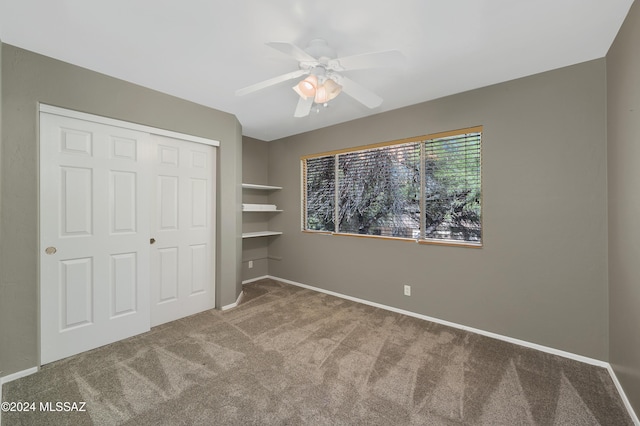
(183,229)
(94,235)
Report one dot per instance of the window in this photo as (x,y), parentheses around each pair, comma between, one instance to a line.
(426,189)
(319,193)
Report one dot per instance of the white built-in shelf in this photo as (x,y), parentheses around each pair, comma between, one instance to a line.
(262,187)
(259,208)
(260,234)
(261,211)
(246,207)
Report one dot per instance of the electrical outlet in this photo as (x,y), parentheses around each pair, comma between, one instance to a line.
(250,264)
(407,290)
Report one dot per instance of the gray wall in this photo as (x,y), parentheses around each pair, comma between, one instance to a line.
(255,167)
(542,273)
(623,94)
(28,78)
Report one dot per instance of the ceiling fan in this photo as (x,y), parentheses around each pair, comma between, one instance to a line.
(324,80)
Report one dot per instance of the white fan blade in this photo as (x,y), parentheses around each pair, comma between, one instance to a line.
(304,107)
(359,93)
(271,82)
(292,50)
(387,58)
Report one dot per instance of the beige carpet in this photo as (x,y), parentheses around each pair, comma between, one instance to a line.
(291,356)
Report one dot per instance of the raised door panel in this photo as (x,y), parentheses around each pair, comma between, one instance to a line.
(168,277)
(124,284)
(76,293)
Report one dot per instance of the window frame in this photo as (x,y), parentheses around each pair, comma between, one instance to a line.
(421,239)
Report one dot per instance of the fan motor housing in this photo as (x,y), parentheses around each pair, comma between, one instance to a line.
(319,49)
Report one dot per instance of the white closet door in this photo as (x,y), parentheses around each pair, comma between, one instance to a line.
(94,235)
(182,227)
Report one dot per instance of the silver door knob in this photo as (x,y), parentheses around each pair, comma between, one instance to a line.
(50,250)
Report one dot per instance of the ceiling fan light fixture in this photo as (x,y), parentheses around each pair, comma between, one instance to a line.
(332,89)
(307,88)
(327,91)
(321,95)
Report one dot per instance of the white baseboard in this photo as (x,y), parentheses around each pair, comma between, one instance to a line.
(623,395)
(15,376)
(234,304)
(237,302)
(547,349)
(264,277)
(18,375)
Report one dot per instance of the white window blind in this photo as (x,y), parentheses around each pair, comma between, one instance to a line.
(452,188)
(319,193)
(425,188)
(379,191)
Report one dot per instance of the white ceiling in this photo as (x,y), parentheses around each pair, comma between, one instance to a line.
(204,50)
